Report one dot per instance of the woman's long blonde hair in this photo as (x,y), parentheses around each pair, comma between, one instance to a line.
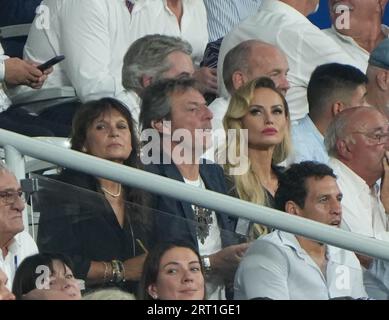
(248,184)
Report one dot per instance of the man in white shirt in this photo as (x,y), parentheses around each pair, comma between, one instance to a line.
(378,75)
(332,88)
(356,142)
(152,58)
(283,23)
(356,27)
(15,243)
(15,72)
(281,265)
(248,60)
(95,34)
(92,34)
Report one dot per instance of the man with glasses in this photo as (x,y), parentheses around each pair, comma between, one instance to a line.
(357,142)
(15,243)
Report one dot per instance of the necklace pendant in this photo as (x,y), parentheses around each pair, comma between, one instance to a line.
(203,222)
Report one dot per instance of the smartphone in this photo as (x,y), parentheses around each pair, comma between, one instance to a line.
(42,67)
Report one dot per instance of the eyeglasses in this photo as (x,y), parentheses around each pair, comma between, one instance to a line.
(378,137)
(9,197)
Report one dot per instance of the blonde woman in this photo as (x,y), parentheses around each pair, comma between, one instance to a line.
(263,111)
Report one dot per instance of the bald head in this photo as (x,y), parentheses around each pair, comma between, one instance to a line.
(252,59)
(359,138)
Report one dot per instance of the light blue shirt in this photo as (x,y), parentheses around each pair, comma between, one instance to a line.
(223,15)
(277,267)
(307,142)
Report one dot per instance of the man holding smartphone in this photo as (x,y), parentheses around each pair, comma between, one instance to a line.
(15,72)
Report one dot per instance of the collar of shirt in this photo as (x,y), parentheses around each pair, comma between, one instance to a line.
(290,240)
(283,9)
(13,247)
(384,28)
(353,181)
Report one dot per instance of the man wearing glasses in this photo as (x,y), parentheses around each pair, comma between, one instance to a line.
(357,142)
(15,243)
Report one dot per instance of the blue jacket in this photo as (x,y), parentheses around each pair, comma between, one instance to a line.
(173,222)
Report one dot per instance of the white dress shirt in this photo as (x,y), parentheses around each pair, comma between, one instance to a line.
(305,46)
(349,45)
(193,23)
(275,266)
(94,36)
(363,211)
(21,247)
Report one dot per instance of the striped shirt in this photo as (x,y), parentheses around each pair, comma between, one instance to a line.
(223,15)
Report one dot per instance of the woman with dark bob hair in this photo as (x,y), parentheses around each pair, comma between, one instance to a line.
(105,232)
(46,276)
(173,271)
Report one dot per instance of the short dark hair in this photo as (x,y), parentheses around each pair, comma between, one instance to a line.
(151,265)
(26,274)
(292,182)
(156,104)
(331,82)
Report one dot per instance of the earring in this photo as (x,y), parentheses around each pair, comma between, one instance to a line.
(155,296)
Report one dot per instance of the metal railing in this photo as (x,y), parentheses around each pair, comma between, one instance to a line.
(18,144)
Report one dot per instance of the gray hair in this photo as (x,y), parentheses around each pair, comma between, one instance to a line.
(108,294)
(156,104)
(146,56)
(338,128)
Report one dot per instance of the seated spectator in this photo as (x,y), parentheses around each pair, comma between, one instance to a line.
(357,27)
(283,23)
(357,143)
(152,58)
(46,276)
(102,232)
(173,271)
(245,62)
(5,293)
(282,265)
(15,243)
(108,294)
(175,107)
(332,88)
(378,76)
(94,35)
(16,72)
(253,175)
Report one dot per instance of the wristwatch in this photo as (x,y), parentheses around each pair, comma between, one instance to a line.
(206,264)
